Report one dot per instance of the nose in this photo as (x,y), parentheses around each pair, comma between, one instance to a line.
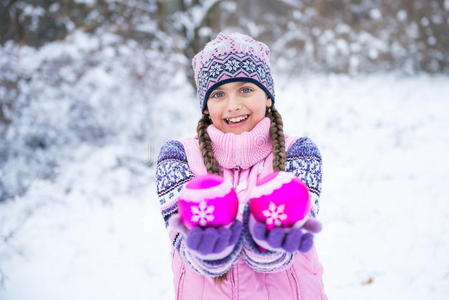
(234,103)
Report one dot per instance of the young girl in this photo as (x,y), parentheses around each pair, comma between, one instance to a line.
(240,137)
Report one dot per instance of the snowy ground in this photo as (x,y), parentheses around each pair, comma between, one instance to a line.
(96,233)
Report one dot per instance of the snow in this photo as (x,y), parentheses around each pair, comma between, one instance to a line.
(424,21)
(402,15)
(94,230)
(375,14)
(384,203)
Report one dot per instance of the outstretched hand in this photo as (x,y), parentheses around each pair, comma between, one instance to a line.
(209,242)
(212,240)
(287,239)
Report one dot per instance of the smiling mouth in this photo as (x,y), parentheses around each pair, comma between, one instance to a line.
(236,119)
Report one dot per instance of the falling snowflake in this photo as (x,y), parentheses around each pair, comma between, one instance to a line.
(275,214)
(202,213)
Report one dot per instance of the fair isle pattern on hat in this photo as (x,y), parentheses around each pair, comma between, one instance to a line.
(228,58)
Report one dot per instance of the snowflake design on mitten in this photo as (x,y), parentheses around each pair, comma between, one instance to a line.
(202,213)
(275,214)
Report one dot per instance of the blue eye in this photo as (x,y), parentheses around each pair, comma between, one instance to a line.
(246,90)
(217,95)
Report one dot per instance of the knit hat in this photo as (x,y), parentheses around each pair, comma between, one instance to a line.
(228,58)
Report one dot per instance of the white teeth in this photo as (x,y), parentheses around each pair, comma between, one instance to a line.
(236,120)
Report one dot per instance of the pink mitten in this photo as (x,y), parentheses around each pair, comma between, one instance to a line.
(280,205)
(208,201)
(280,199)
(208,207)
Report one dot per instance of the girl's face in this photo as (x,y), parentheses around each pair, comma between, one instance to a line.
(237,106)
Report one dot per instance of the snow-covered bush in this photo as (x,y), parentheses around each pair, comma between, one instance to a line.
(84,89)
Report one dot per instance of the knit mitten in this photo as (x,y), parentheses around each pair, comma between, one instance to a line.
(280,207)
(208,200)
(286,239)
(208,207)
(209,243)
(214,243)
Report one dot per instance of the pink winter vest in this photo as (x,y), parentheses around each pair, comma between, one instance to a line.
(302,280)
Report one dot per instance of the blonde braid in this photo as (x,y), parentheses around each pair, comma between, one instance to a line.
(278,139)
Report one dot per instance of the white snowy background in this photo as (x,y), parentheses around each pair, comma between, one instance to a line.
(83,119)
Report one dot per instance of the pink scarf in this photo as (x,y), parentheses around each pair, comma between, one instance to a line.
(241,150)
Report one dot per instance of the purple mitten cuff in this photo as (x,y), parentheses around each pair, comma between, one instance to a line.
(213,243)
(284,239)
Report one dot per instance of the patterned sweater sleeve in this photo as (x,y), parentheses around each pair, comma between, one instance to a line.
(172,174)
(304,161)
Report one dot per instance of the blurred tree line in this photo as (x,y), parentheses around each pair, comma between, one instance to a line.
(318,35)
(67,66)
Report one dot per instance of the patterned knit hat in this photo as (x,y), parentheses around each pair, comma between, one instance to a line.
(228,58)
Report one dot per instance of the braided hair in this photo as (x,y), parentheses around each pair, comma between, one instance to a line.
(205,143)
(277,139)
(211,163)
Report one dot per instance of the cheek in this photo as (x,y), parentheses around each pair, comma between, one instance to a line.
(259,110)
(214,107)
(215,117)
(216,120)
(214,114)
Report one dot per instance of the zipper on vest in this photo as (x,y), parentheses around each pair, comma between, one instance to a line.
(236,176)
(180,287)
(295,281)
(233,286)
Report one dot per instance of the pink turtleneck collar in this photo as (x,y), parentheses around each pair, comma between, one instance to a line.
(241,150)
